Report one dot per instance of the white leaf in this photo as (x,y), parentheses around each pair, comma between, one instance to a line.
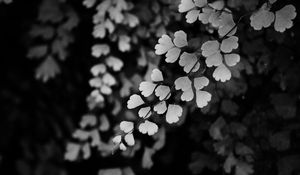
(200,3)
(172,55)
(189,61)
(148,127)
(173,113)
(157,75)
(226,24)
(122,147)
(162,92)
(88,120)
(72,151)
(180,39)
(202,98)
(129,139)
(126,126)
(100,49)
(187,95)
(145,112)
(147,88)
(214,60)
(115,63)
(98,69)
(210,47)
(229,44)
(186,5)
(134,101)
(164,44)
(206,13)
(104,89)
(217,5)
(124,43)
(262,18)
(222,73)
(104,123)
(117,139)
(183,83)
(231,59)
(200,82)
(283,18)
(108,79)
(160,108)
(192,16)
(95,82)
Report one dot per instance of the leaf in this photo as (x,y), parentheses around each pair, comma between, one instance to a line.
(148,127)
(164,44)
(115,63)
(200,82)
(72,151)
(37,51)
(86,151)
(89,3)
(186,5)
(187,95)
(124,43)
(202,98)
(108,79)
(229,163)
(200,3)
(262,18)
(210,47)
(117,139)
(160,138)
(134,101)
(284,17)
(226,24)
(173,113)
(183,83)
(126,126)
(180,39)
(104,123)
(129,139)
(162,92)
(229,44)
(280,140)
(172,55)
(204,16)
(88,120)
(111,171)
(192,16)
(104,89)
(189,62)
(100,49)
(147,158)
(216,127)
(98,69)
(157,75)
(217,5)
(47,69)
(222,73)
(214,60)
(231,59)
(243,168)
(147,88)
(161,107)
(145,112)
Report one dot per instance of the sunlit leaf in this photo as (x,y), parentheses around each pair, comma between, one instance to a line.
(222,73)
(147,88)
(145,112)
(231,59)
(129,139)
(162,92)
(134,101)
(161,107)
(189,62)
(100,49)
(214,59)
(115,63)
(183,83)
(156,75)
(200,82)
(202,98)
(210,47)
(172,55)
(284,17)
(126,126)
(229,44)
(262,18)
(173,113)
(164,44)
(186,5)
(180,39)
(148,127)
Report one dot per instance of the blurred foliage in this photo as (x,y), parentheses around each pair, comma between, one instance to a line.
(69,67)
